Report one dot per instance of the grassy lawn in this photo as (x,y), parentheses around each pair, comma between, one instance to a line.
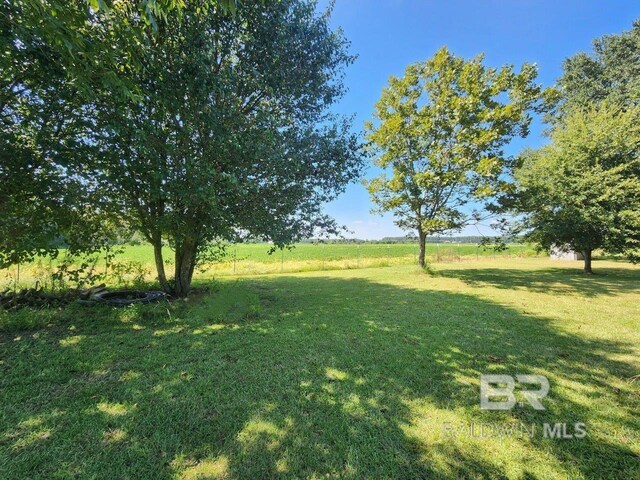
(339,374)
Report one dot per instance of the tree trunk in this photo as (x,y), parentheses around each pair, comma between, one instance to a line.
(422,237)
(185,264)
(587,262)
(162,276)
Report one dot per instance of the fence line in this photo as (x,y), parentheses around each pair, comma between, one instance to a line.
(309,257)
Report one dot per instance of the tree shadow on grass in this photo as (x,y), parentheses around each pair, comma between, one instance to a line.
(308,377)
(555,280)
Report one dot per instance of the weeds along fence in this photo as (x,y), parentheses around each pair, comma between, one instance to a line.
(50,275)
(135,265)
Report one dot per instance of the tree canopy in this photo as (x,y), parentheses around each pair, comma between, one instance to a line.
(232,134)
(611,71)
(56,56)
(441,129)
(217,126)
(582,191)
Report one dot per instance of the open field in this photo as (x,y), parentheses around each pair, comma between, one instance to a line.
(334,374)
(335,251)
(136,263)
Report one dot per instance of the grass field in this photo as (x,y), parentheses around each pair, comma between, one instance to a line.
(331,374)
(136,263)
(334,252)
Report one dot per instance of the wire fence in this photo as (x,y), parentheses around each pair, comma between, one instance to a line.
(249,260)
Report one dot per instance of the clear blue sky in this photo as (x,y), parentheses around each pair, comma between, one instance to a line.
(387,35)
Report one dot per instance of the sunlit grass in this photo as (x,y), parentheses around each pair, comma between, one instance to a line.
(339,374)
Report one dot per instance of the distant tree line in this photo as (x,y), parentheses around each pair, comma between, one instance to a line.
(469,239)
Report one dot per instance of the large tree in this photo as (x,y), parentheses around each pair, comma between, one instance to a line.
(230,133)
(441,129)
(583,189)
(194,122)
(43,202)
(54,57)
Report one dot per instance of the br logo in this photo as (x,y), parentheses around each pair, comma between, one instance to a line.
(502,386)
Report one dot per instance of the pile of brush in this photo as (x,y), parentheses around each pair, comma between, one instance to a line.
(38,297)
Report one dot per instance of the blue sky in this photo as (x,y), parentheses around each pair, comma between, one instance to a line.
(387,35)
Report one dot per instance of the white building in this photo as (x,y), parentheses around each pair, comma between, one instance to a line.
(563,252)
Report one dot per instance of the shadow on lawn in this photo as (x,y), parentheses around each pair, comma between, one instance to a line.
(555,281)
(305,377)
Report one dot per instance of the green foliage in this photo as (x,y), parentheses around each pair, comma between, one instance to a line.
(441,129)
(189,122)
(583,190)
(55,57)
(129,273)
(231,135)
(611,72)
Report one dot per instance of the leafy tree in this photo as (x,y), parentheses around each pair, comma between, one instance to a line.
(583,190)
(611,72)
(194,122)
(441,129)
(54,57)
(43,201)
(230,134)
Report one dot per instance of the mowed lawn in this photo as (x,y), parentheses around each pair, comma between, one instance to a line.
(335,374)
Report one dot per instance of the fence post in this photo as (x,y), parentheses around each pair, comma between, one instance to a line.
(235,257)
(323,251)
(15,286)
(281,260)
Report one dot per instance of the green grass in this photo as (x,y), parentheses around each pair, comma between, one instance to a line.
(137,262)
(341,374)
(334,252)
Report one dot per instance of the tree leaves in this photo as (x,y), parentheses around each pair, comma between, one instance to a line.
(243,148)
(583,190)
(191,122)
(440,129)
(611,71)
